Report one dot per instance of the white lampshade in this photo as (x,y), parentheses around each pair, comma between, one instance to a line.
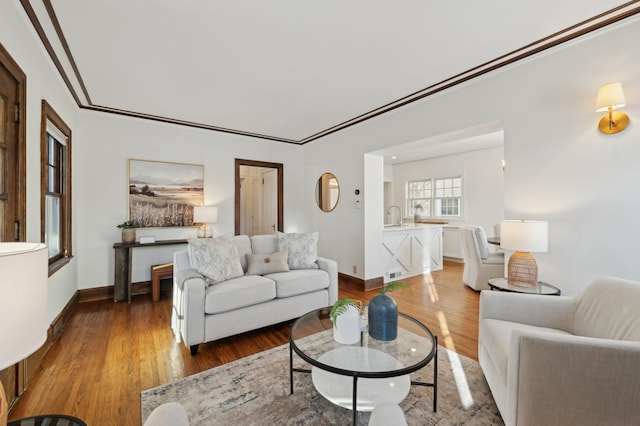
(205,214)
(524,235)
(610,95)
(23,300)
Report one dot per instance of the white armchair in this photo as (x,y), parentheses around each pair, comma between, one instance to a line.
(560,360)
(168,414)
(479,263)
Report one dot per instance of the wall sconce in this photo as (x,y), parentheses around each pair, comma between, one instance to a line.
(610,98)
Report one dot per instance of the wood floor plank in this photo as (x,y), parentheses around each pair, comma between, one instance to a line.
(110,352)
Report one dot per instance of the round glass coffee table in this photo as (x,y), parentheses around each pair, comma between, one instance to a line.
(358,376)
(48,420)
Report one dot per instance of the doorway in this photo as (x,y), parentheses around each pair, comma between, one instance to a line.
(259,197)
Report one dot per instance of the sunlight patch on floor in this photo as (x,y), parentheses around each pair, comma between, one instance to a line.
(433,291)
(456,365)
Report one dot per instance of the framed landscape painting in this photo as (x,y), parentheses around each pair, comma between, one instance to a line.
(163,194)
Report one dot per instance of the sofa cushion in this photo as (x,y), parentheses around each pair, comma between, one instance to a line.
(238,292)
(608,309)
(243,245)
(496,337)
(215,258)
(264,244)
(302,248)
(262,264)
(299,281)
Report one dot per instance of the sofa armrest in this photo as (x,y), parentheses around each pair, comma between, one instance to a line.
(558,379)
(331,267)
(190,287)
(542,311)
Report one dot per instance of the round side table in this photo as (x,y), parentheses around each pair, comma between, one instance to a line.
(501,284)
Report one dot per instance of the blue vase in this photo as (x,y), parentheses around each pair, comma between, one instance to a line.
(383,318)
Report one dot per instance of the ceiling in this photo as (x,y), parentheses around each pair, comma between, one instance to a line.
(291,70)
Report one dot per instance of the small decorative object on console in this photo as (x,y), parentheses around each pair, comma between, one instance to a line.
(383,313)
(128,231)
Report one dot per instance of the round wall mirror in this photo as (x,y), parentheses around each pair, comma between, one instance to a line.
(327,192)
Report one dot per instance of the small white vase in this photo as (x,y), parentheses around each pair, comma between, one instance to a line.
(346,330)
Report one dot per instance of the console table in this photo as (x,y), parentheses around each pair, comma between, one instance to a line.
(123,254)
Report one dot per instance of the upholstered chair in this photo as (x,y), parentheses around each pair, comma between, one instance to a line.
(479,263)
(387,413)
(168,414)
(564,360)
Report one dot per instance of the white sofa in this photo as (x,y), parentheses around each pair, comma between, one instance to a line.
(203,313)
(564,360)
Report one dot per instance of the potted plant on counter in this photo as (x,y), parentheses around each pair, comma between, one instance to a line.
(128,231)
(345,315)
(383,313)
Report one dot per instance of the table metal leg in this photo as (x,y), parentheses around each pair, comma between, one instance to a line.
(433,385)
(291,367)
(355,400)
(435,376)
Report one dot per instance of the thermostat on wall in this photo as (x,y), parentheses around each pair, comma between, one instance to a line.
(147,240)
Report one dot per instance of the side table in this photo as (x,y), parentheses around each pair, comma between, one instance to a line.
(502,284)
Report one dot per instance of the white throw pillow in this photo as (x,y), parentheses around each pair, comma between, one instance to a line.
(302,248)
(483,244)
(215,258)
(262,264)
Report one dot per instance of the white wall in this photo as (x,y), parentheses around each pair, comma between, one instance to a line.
(559,167)
(43,82)
(109,141)
(483,183)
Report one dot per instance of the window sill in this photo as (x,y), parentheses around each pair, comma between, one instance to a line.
(58,264)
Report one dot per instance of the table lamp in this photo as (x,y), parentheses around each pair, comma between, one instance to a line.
(524,237)
(23,305)
(204,215)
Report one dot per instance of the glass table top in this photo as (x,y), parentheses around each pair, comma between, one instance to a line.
(312,339)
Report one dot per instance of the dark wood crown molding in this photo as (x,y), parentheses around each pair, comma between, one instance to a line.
(587,26)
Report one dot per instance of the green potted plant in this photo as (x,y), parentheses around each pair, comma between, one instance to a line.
(345,314)
(383,313)
(128,231)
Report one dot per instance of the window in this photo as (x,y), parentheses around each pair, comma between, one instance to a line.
(448,197)
(441,197)
(56,187)
(419,192)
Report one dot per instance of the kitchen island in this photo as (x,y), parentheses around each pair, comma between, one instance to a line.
(411,249)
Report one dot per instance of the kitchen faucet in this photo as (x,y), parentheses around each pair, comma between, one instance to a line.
(399,213)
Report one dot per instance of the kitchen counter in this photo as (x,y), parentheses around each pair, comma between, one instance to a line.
(409,226)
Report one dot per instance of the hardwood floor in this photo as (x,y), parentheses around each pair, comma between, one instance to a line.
(110,352)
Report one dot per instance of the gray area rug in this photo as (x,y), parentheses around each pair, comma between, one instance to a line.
(255,391)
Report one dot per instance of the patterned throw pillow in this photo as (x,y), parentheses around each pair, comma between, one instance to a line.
(263,264)
(302,248)
(215,258)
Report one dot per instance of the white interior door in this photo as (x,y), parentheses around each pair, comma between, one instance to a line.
(269,209)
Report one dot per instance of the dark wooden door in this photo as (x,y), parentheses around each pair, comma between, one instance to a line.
(11,163)
(12,178)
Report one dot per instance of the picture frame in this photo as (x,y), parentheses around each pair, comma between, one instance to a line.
(163,194)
